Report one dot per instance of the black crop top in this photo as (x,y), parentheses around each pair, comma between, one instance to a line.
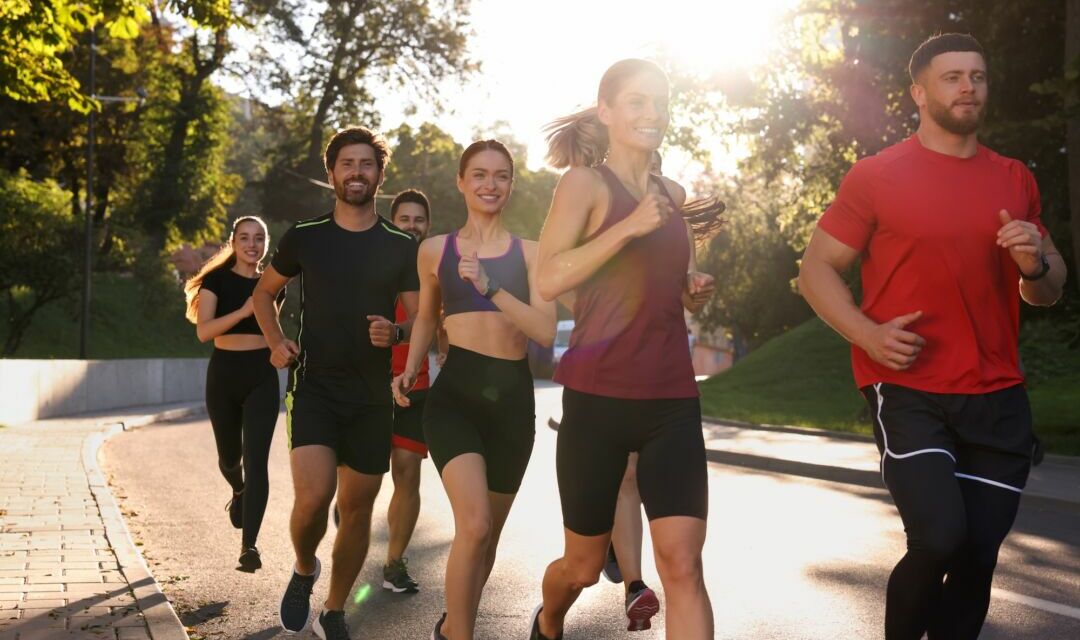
(232,291)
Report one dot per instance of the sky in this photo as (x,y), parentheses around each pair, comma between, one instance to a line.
(542,60)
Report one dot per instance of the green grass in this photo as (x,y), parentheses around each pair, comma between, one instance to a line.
(119,328)
(803,378)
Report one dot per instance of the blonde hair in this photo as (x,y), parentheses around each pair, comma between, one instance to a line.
(580,139)
(225,258)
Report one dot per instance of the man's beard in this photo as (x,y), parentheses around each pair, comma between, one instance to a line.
(944,118)
(357,200)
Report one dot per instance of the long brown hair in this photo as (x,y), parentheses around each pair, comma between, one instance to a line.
(580,139)
(225,258)
(702,214)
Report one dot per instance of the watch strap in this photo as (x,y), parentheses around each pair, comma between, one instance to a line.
(1042,272)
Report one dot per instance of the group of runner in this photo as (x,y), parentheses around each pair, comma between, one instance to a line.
(945,228)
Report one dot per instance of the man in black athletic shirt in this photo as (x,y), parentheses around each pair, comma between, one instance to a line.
(352,265)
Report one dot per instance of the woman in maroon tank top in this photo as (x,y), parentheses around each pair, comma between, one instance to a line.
(615,238)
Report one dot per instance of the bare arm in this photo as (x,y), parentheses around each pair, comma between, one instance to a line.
(820,282)
(1048,289)
(282,350)
(208,327)
(563,265)
(536,318)
(425,320)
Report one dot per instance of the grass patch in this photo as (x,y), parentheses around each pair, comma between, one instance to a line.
(119,327)
(803,378)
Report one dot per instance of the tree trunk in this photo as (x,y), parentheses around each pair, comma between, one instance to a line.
(1072,132)
(332,86)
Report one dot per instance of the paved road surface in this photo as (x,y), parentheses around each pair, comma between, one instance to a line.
(786,557)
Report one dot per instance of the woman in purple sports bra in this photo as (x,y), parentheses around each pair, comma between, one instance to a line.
(479,418)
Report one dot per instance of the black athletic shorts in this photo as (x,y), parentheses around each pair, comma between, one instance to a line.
(597,434)
(359,433)
(988,436)
(409,424)
(484,405)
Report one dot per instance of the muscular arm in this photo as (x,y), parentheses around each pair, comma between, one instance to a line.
(266,291)
(563,265)
(1046,290)
(426,312)
(536,319)
(208,327)
(821,283)
(411,301)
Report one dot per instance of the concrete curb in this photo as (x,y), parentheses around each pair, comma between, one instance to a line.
(160,617)
(845,475)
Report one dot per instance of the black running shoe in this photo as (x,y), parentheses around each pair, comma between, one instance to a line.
(235,507)
(611,566)
(534,628)
(250,561)
(396,577)
(436,633)
(641,605)
(330,625)
(296,603)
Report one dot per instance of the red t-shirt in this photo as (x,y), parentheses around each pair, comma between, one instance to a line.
(926,224)
(401,354)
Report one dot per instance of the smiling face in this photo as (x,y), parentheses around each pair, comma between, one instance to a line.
(638,115)
(486,181)
(355,176)
(412,218)
(249,243)
(952,91)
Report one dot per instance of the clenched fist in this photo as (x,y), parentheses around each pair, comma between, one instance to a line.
(890,345)
(471,270)
(651,214)
(381,331)
(1023,241)
(284,354)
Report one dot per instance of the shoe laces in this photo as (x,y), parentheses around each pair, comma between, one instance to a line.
(299,590)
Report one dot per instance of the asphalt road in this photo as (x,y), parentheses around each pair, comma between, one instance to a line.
(786,557)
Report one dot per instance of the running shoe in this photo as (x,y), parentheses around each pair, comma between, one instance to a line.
(396,577)
(330,625)
(641,605)
(296,603)
(235,507)
(611,566)
(534,627)
(436,633)
(250,561)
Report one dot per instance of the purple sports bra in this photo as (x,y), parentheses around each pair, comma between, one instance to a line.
(460,296)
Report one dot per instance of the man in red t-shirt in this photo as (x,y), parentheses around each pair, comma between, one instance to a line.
(945,228)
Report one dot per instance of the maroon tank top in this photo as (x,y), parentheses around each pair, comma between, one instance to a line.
(629,338)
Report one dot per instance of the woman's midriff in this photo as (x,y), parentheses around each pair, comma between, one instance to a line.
(486,332)
(240,342)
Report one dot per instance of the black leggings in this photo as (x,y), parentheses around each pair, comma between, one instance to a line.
(955,466)
(242,397)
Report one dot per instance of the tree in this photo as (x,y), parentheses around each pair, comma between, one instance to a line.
(39,250)
(1072,103)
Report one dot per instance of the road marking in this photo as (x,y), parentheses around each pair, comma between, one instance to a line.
(1038,603)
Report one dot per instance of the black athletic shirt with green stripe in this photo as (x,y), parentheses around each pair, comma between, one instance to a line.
(345,276)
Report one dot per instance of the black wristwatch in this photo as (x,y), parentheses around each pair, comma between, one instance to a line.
(399,334)
(493,287)
(1042,272)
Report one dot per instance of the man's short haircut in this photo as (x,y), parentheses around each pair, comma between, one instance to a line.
(938,44)
(410,195)
(356,135)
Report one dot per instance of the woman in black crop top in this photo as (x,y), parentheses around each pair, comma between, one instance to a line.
(242,394)
(479,416)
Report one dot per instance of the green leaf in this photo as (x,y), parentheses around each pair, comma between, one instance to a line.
(124,28)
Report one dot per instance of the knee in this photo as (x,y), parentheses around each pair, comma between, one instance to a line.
(583,574)
(406,476)
(940,544)
(311,507)
(679,567)
(475,529)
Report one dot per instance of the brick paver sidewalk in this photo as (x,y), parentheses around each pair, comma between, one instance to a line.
(68,568)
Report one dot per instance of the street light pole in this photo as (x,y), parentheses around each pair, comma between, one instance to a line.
(84,325)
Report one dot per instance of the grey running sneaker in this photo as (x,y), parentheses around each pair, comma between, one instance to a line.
(296,603)
(611,566)
(534,627)
(330,625)
(641,605)
(396,577)
(250,561)
(436,633)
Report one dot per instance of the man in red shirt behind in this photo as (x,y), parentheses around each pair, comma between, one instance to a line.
(945,228)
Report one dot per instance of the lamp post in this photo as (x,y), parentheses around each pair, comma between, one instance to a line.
(88,230)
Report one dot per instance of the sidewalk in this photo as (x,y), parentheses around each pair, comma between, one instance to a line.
(68,567)
(854,459)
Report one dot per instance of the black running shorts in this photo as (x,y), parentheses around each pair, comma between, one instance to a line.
(485,405)
(359,433)
(988,436)
(596,435)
